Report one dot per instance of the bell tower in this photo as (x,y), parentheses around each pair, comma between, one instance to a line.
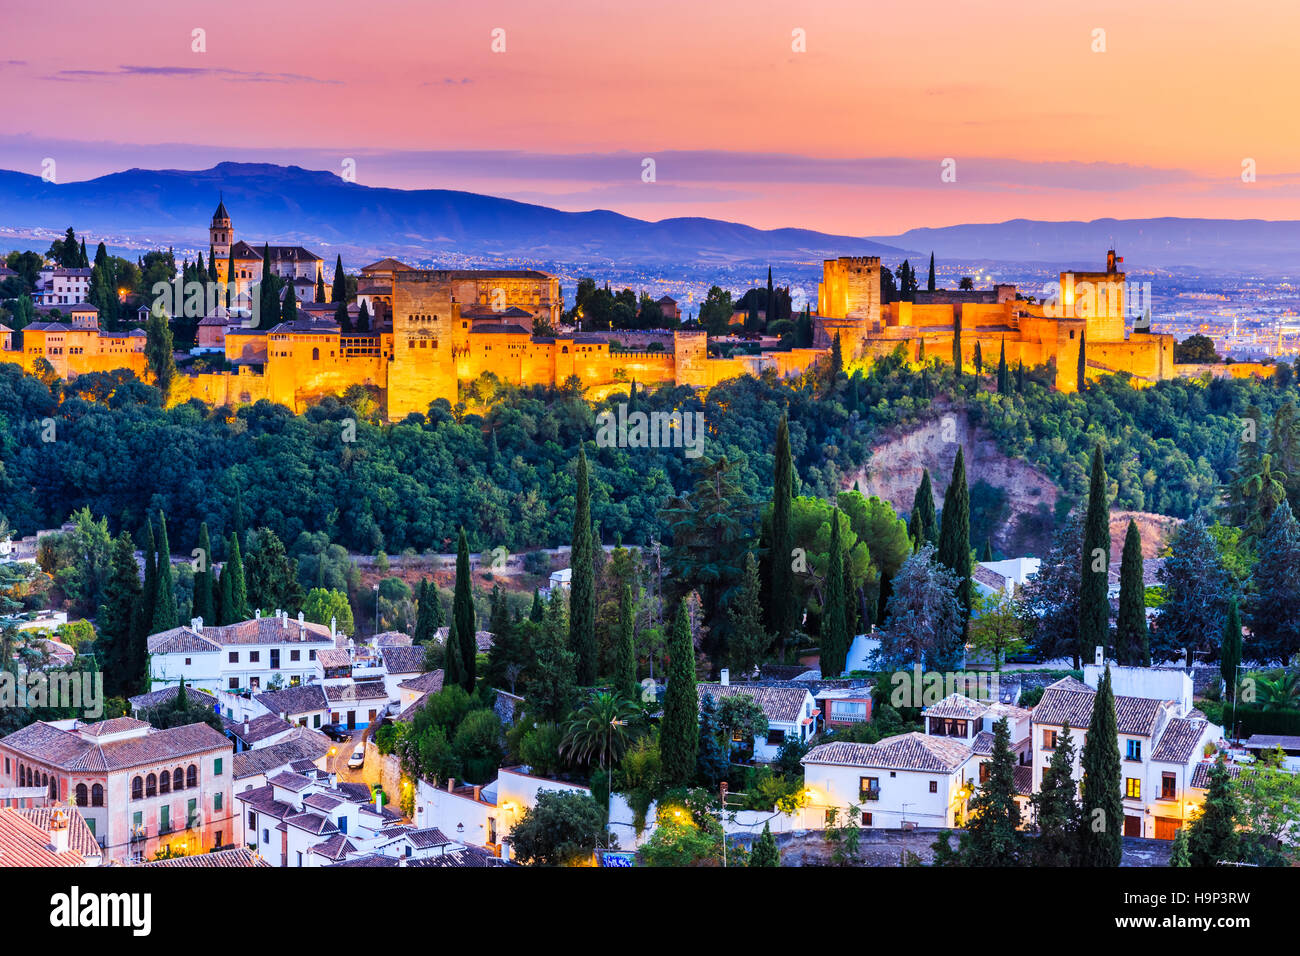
(220,236)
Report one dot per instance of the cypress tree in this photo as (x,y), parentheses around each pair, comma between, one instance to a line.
(1056,808)
(462,616)
(424,629)
(712,759)
(232,281)
(1003,384)
(1083,362)
(149,590)
(851,607)
(238,609)
(929,282)
(339,292)
(1230,654)
(342,317)
(1212,836)
(882,599)
(320,286)
(837,358)
(979,359)
(1101,823)
(289,308)
(363,318)
(220,598)
(203,598)
(1180,856)
(956,344)
(538,611)
(625,681)
(582,583)
(678,734)
(765,852)
(1132,644)
(1020,376)
(780,597)
(988,550)
(1094,584)
(923,525)
(834,634)
(121,595)
(954,532)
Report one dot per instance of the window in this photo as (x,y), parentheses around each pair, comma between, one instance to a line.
(151,786)
(275,657)
(1168,786)
(191,814)
(234,683)
(868,788)
(164,782)
(1134,750)
(1049,739)
(191,776)
(234,657)
(165,820)
(82,795)
(775,737)
(216,767)
(254,656)
(178,779)
(1132,788)
(97,795)
(137,789)
(295,655)
(252,821)
(934,786)
(866,819)
(984,773)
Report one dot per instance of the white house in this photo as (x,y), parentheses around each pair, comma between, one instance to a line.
(790,712)
(1004,577)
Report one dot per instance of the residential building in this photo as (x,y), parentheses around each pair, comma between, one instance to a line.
(50,836)
(789,712)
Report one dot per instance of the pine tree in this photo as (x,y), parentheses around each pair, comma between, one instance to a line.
(238,607)
(203,598)
(765,852)
(954,532)
(713,758)
(1181,855)
(625,674)
(1094,581)
(923,525)
(780,596)
(678,731)
(1196,589)
(992,836)
(582,583)
(1274,609)
(1132,643)
(1230,655)
(1056,808)
(1212,836)
(113,645)
(1101,823)
(462,616)
(834,633)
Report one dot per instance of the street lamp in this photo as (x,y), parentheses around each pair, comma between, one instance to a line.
(376,587)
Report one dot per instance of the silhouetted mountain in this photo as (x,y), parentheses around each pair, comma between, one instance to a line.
(1214,245)
(291,204)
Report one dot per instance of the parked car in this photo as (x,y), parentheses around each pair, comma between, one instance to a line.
(335,731)
(1024,657)
(358,758)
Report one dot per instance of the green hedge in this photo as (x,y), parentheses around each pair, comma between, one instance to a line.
(1252,719)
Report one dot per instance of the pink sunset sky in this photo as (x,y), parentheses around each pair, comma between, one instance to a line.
(847,137)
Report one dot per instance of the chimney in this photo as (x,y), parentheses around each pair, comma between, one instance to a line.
(477,791)
(451,784)
(245,729)
(59,831)
(258,614)
(725,676)
(300,617)
(334,623)
(198,624)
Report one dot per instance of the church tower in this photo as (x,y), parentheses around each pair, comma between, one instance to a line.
(220,235)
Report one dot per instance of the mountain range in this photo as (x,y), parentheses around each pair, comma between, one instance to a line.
(137,208)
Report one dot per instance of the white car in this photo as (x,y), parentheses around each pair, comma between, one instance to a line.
(358,758)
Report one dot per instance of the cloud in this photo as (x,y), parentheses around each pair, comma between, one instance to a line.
(225,73)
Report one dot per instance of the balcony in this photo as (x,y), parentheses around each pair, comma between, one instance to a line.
(869,794)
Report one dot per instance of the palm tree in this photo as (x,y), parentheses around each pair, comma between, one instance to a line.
(598,732)
(1277,690)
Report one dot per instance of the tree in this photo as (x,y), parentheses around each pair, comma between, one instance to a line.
(954,533)
(113,648)
(271,575)
(1056,808)
(1003,383)
(289,306)
(597,734)
(713,758)
(363,318)
(236,609)
(323,606)
(1230,654)
(204,602)
(765,852)
(1268,811)
(551,686)
(462,640)
(679,735)
(158,351)
(992,836)
(979,359)
(1094,574)
(562,828)
(1101,825)
(1274,608)
(1195,350)
(923,525)
(929,282)
(1180,856)
(780,596)
(1132,643)
(834,629)
(924,620)
(582,586)
(1212,835)
(625,674)
(164,610)
(339,291)
(995,630)
(1082,369)
(1195,591)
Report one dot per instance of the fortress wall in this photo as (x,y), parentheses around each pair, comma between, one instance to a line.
(244,348)
(423,310)
(243,387)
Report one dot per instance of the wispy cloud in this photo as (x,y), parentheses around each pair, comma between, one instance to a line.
(225,73)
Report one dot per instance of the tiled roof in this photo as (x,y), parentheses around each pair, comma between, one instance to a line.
(337,847)
(370,859)
(387,264)
(223,859)
(181,640)
(312,823)
(322,801)
(290,781)
(25,839)
(358,690)
(1069,700)
(470,856)
(1179,740)
(403,660)
(778,703)
(956,705)
(256,632)
(1269,741)
(982,745)
(1023,776)
(259,728)
(333,657)
(427,683)
(155,697)
(71,752)
(299,744)
(302,699)
(1201,774)
(262,799)
(114,725)
(392,639)
(904,752)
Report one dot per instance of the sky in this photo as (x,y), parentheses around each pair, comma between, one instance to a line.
(834,115)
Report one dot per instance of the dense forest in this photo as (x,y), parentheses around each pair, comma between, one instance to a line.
(501,462)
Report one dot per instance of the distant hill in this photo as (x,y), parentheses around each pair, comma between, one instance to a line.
(1210,245)
(291,204)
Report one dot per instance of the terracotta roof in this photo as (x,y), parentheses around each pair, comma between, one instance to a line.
(956,705)
(299,744)
(387,264)
(259,728)
(778,703)
(223,859)
(403,660)
(1201,774)
(155,697)
(370,859)
(982,745)
(290,781)
(70,751)
(300,699)
(1179,740)
(25,839)
(262,799)
(310,822)
(333,657)
(1071,700)
(337,847)
(1023,776)
(470,856)
(1269,741)
(114,725)
(258,631)
(427,683)
(904,752)
(358,690)
(392,639)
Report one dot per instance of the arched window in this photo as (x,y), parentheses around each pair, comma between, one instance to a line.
(151,786)
(82,794)
(97,795)
(315,355)
(137,788)
(178,779)
(191,776)
(54,788)
(164,782)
